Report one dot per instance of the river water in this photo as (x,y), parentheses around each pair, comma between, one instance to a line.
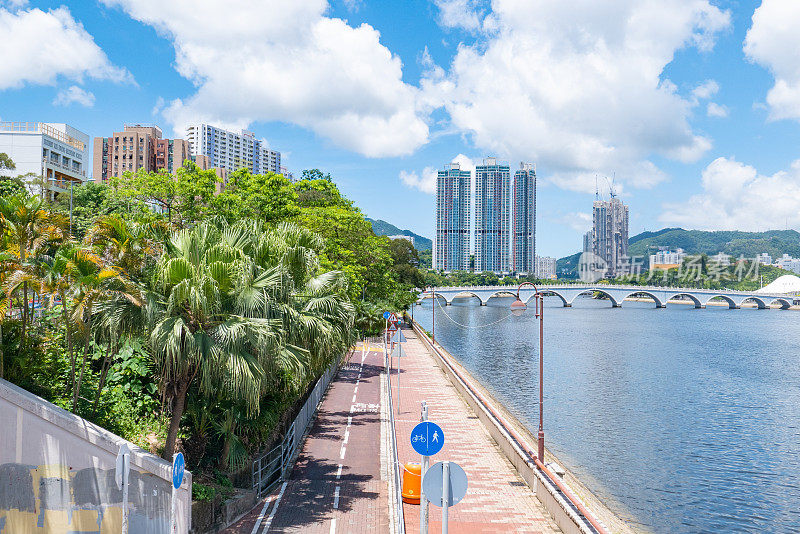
(681,420)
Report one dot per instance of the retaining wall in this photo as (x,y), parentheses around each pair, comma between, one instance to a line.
(57,475)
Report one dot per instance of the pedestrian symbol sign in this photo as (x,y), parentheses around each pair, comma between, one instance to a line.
(398,337)
(427,438)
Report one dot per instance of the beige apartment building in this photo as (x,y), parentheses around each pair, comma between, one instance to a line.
(136,147)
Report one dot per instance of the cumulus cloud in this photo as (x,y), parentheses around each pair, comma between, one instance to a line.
(287,61)
(705,90)
(426,180)
(576,86)
(717,110)
(737,197)
(39,46)
(464,14)
(774,42)
(74,95)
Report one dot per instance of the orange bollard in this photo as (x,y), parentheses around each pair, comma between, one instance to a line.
(412,482)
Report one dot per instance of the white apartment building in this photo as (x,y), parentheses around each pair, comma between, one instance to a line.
(545,268)
(232,151)
(788,263)
(665,259)
(764,259)
(53,154)
(721,259)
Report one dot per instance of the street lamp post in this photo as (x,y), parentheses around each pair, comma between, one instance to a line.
(518,308)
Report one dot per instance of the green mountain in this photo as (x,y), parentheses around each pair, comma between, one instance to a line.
(384,228)
(747,244)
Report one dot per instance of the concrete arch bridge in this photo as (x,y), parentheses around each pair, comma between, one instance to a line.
(617,294)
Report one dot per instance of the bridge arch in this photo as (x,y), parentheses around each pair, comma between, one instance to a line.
(785,303)
(466,294)
(697,303)
(761,303)
(659,303)
(501,293)
(731,303)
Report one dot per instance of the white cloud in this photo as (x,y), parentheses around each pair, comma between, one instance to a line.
(774,42)
(705,90)
(39,46)
(463,14)
(575,86)
(717,110)
(425,183)
(578,221)
(737,197)
(287,62)
(426,180)
(76,95)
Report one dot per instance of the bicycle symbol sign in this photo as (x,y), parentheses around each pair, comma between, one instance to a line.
(427,438)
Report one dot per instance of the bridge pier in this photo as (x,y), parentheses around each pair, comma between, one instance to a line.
(483,303)
(567,305)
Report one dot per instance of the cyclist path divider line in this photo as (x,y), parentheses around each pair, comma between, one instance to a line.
(497,498)
(336,485)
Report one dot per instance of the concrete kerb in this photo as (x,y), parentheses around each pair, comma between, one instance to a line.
(564,513)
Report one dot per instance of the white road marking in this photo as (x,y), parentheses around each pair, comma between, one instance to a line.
(355,390)
(354,398)
(341,454)
(339,472)
(333,525)
(350,418)
(336,498)
(275,509)
(346,436)
(267,502)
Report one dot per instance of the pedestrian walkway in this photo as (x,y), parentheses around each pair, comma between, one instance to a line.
(336,484)
(497,499)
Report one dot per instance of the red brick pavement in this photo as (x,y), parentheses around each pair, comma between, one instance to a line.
(336,484)
(497,499)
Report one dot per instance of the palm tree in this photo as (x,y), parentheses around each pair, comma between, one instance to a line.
(29,229)
(94,282)
(239,308)
(125,244)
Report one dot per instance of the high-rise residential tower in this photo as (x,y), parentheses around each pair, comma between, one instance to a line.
(136,147)
(492,216)
(610,234)
(523,243)
(451,250)
(232,151)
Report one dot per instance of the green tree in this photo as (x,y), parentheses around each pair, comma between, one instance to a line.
(269,197)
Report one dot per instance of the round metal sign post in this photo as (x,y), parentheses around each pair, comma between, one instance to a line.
(427,438)
(178,468)
(445,484)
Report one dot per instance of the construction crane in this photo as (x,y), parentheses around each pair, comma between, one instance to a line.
(611,186)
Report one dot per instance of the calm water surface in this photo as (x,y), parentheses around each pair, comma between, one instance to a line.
(682,420)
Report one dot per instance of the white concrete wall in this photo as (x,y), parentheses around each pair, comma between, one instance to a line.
(57,474)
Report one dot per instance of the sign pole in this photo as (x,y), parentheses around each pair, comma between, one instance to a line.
(126,462)
(174,499)
(423,499)
(445,494)
(398,376)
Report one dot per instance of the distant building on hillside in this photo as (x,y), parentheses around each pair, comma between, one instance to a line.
(545,268)
(408,238)
(721,259)
(764,259)
(610,235)
(137,146)
(232,151)
(492,216)
(788,263)
(523,239)
(665,259)
(53,153)
(453,206)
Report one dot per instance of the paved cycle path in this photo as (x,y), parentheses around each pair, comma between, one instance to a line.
(336,484)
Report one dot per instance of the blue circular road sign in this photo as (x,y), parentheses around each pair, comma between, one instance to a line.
(386,314)
(178,467)
(427,438)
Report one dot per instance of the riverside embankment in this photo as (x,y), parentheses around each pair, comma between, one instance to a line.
(566,500)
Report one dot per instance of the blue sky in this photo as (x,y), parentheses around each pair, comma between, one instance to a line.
(691,105)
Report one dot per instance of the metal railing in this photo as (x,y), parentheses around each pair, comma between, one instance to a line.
(395,457)
(271,467)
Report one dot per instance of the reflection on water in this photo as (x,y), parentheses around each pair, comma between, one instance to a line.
(688,419)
